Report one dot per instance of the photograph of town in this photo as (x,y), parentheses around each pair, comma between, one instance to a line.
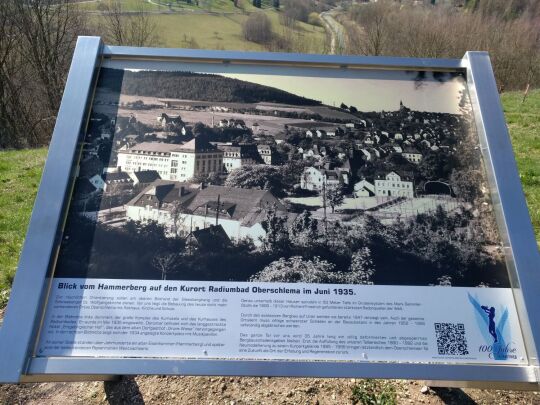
(374,178)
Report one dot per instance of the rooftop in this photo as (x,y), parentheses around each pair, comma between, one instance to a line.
(213,237)
(245,205)
(117,177)
(152,147)
(197,144)
(162,192)
(147,176)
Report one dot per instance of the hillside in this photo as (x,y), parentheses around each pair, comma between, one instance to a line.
(212,24)
(202,87)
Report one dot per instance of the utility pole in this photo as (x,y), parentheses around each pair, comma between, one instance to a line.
(217,209)
(324,207)
(190,239)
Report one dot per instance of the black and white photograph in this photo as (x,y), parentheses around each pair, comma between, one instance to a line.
(358,177)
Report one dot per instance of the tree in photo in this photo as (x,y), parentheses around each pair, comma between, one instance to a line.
(276,238)
(362,266)
(334,195)
(466,184)
(165,263)
(437,165)
(199,129)
(178,215)
(208,178)
(444,281)
(291,172)
(262,177)
(297,270)
(303,230)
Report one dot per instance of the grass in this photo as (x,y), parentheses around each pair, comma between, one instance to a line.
(127,5)
(524,124)
(20,172)
(182,30)
(214,24)
(374,392)
(185,31)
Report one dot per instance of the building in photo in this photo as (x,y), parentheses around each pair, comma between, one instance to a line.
(147,156)
(196,157)
(314,178)
(267,154)
(112,181)
(172,161)
(394,185)
(239,211)
(144,177)
(412,154)
(364,189)
(237,155)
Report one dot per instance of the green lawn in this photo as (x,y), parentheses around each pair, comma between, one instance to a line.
(184,31)
(225,32)
(524,124)
(214,24)
(127,5)
(216,6)
(20,172)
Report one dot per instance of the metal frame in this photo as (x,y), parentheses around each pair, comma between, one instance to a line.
(30,286)
(30,289)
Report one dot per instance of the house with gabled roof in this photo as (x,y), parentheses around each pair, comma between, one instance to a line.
(267,153)
(364,189)
(170,120)
(144,177)
(237,155)
(393,184)
(239,211)
(316,178)
(212,238)
(111,181)
(412,154)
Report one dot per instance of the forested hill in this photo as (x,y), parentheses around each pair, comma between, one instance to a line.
(195,86)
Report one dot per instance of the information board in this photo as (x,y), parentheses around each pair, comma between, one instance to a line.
(301,213)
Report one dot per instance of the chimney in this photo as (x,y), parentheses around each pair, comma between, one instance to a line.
(181,191)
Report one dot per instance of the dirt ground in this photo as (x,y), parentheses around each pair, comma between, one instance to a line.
(240,391)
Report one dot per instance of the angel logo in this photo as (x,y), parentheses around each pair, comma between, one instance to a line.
(491,324)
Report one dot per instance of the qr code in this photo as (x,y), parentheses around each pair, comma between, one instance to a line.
(451,339)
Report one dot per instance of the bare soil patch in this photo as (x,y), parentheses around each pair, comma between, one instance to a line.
(240,391)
